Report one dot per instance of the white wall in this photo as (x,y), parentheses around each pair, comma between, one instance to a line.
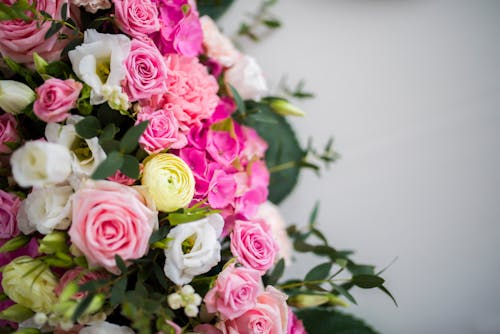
(411,92)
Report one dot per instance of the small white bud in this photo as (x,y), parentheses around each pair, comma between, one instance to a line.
(174,301)
(40,319)
(191,310)
(187,290)
(196,299)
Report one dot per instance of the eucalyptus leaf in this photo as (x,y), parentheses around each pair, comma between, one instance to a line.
(367,281)
(320,272)
(109,166)
(328,320)
(130,166)
(118,291)
(213,8)
(88,127)
(130,140)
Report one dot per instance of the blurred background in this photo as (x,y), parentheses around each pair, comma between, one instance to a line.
(411,92)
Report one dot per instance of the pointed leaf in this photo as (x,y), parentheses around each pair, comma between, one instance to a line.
(367,281)
(89,127)
(118,291)
(130,166)
(109,166)
(130,140)
(320,272)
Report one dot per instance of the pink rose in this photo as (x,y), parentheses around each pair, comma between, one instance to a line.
(8,132)
(234,293)
(180,28)
(111,219)
(146,71)
(271,214)
(295,326)
(253,245)
(9,206)
(269,315)
(80,276)
(217,46)
(206,329)
(162,131)
(137,18)
(55,98)
(20,39)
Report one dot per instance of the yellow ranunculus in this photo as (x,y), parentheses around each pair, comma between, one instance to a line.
(169,181)
(30,283)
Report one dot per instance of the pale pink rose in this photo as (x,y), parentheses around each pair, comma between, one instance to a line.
(55,98)
(8,132)
(162,131)
(92,6)
(235,292)
(80,276)
(295,326)
(192,88)
(137,18)
(20,39)
(180,30)
(146,71)
(121,178)
(9,206)
(111,219)
(207,329)
(271,214)
(217,46)
(269,315)
(253,244)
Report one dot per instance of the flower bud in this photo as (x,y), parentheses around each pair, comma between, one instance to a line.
(15,243)
(301,301)
(96,304)
(15,96)
(16,313)
(191,310)
(40,318)
(53,242)
(40,63)
(59,260)
(285,108)
(174,301)
(69,291)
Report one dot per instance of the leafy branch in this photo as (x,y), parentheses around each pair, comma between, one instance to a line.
(262,18)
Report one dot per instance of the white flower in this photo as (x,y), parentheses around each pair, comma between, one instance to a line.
(38,163)
(217,45)
(193,249)
(15,96)
(45,209)
(103,327)
(246,76)
(86,154)
(271,214)
(92,6)
(99,62)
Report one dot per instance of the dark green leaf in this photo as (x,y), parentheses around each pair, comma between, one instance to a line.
(58,69)
(82,306)
(367,281)
(160,276)
(328,320)
(110,145)
(28,76)
(93,286)
(272,23)
(109,166)
(15,243)
(213,8)
(64,11)
(54,28)
(343,291)
(88,127)
(16,313)
(118,291)
(130,166)
(120,263)
(109,132)
(240,104)
(159,234)
(361,269)
(314,215)
(130,140)
(320,272)
(277,272)
(387,292)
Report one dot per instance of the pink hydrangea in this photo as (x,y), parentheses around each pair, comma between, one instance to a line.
(20,39)
(9,206)
(8,132)
(162,132)
(295,326)
(80,276)
(137,18)
(180,30)
(146,71)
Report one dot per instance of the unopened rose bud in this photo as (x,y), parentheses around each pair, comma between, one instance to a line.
(301,301)
(53,242)
(285,108)
(15,96)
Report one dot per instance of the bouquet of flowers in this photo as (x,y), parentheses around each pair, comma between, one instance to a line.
(139,155)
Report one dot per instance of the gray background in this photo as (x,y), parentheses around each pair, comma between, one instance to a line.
(410,90)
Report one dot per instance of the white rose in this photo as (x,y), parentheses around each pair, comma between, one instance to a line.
(246,76)
(104,327)
(45,209)
(218,46)
(99,63)
(87,154)
(38,163)
(204,253)
(271,214)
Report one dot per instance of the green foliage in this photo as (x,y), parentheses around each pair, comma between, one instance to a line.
(89,127)
(276,274)
(109,166)
(129,141)
(213,8)
(328,320)
(17,10)
(16,313)
(15,243)
(262,18)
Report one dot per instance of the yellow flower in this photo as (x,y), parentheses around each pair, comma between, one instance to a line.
(30,283)
(169,181)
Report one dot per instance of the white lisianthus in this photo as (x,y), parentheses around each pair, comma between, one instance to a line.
(92,6)
(194,248)
(247,77)
(86,154)
(103,327)
(99,63)
(45,209)
(15,96)
(38,164)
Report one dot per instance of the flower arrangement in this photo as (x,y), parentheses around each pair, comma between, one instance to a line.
(139,153)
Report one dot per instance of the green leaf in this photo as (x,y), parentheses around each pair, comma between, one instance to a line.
(82,306)
(58,69)
(272,23)
(367,281)
(130,166)
(343,291)
(15,243)
(159,234)
(110,145)
(120,263)
(387,292)
(89,127)
(320,272)
(54,28)
(16,313)
(277,272)
(28,76)
(283,154)
(64,11)
(328,320)
(118,291)
(213,8)
(160,276)
(109,166)
(109,132)
(314,215)
(240,104)
(130,140)
(27,331)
